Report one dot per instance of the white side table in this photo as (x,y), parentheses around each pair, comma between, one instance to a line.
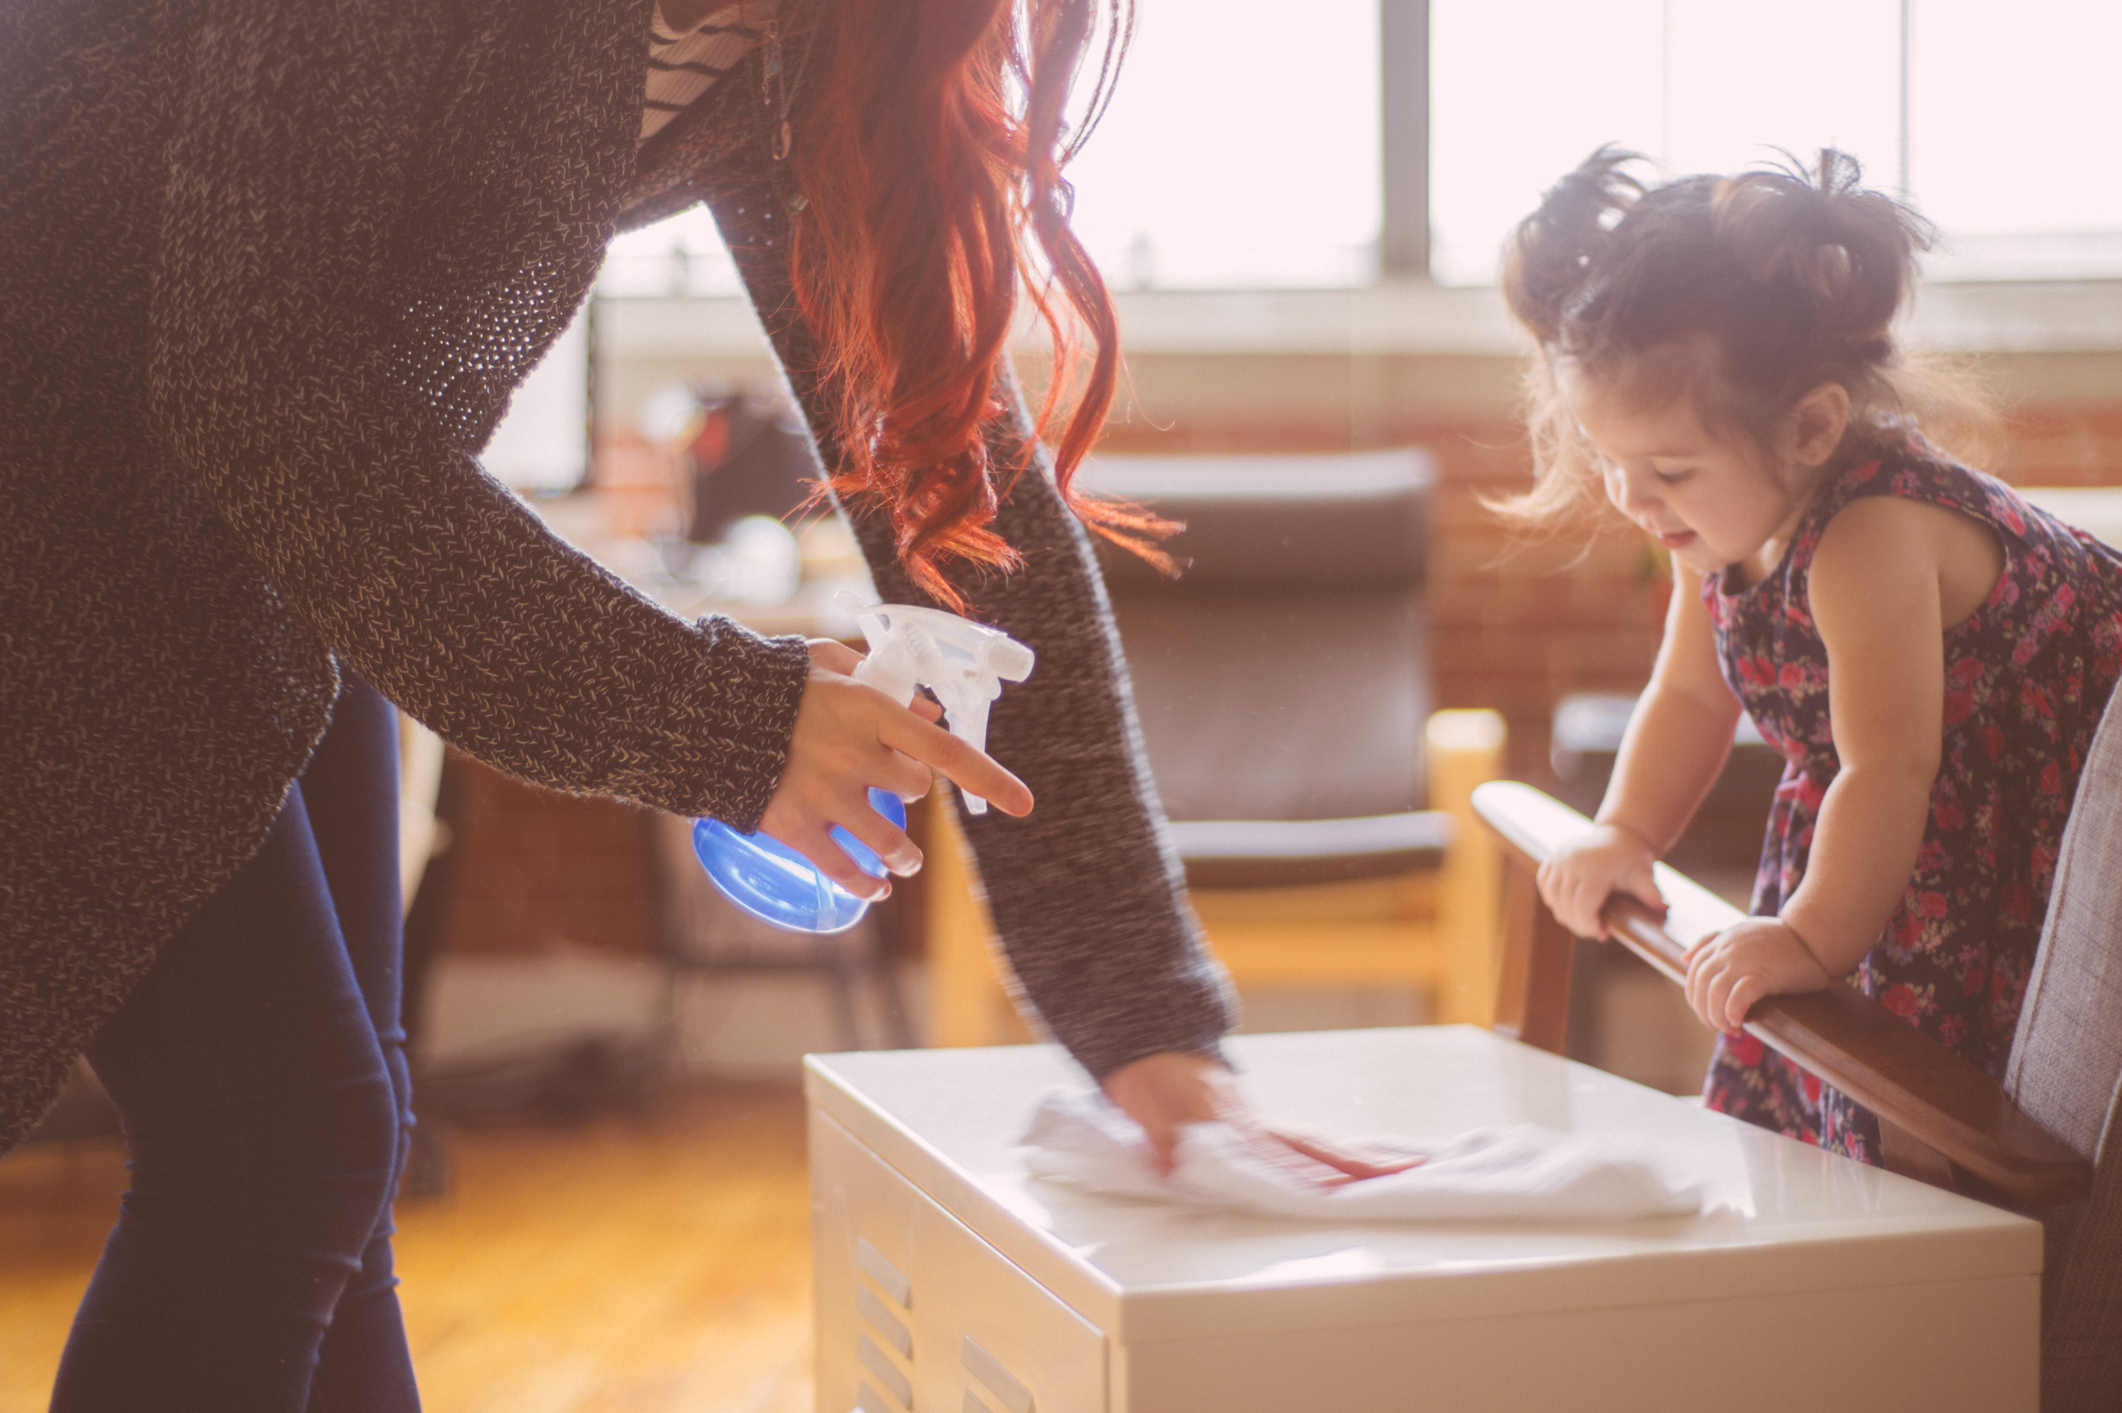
(949,1281)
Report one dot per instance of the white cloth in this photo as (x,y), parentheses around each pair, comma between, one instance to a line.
(1517,1172)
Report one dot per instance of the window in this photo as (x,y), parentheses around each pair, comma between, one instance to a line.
(682,255)
(1241,149)
(2000,127)
(2015,136)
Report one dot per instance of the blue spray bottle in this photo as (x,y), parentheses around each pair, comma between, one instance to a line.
(965,665)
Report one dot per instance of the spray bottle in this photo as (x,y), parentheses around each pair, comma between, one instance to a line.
(965,665)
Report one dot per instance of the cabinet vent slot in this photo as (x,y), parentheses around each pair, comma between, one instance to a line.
(998,1380)
(974,1405)
(868,1400)
(889,1278)
(889,1327)
(888,1374)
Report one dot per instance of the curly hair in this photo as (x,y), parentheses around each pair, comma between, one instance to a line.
(1789,278)
(930,156)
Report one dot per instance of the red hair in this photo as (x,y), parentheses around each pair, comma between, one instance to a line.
(922,179)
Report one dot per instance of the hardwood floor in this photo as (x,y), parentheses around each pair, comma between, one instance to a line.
(650,1266)
(56,1202)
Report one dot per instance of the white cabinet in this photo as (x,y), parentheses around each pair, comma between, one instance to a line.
(949,1281)
(914,1307)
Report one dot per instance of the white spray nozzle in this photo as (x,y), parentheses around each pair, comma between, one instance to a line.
(962,662)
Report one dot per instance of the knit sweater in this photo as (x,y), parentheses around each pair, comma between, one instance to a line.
(271,273)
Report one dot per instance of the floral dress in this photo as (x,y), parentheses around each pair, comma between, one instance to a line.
(2026,679)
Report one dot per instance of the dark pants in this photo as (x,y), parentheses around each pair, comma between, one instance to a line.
(260,1071)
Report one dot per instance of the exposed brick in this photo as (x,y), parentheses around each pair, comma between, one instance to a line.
(1516,624)
(536,868)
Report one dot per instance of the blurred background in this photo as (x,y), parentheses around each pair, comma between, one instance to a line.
(1301,217)
(1300,212)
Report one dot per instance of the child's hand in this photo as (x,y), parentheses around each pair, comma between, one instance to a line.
(1759,957)
(1578,879)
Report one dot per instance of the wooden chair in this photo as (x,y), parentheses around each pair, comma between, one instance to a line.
(2046,1141)
(1323,813)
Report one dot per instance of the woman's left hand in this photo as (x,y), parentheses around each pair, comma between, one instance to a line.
(1762,956)
(1166,1091)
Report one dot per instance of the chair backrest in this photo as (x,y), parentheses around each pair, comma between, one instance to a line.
(1285,674)
(2065,1065)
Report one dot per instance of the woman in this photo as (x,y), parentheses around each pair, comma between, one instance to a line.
(271,276)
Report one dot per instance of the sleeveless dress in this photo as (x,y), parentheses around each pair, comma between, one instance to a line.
(2026,679)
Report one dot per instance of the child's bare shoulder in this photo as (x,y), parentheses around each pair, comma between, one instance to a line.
(1875,538)
(1870,524)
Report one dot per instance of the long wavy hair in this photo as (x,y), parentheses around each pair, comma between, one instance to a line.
(929,149)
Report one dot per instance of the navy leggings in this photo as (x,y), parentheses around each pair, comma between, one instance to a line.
(260,1071)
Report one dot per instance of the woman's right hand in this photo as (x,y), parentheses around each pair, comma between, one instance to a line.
(1580,876)
(849,737)
(1165,1092)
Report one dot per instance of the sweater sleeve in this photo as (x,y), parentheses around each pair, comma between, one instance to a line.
(278,380)
(1086,892)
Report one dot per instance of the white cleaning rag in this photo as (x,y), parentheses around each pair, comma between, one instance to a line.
(1517,1172)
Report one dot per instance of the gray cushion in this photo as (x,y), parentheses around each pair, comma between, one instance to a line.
(1280,853)
(2065,1062)
(1284,675)
(1257,523)
(1282,706)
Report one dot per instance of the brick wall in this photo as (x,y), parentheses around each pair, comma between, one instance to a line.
(539,870)
(2064,445)
(1516,626)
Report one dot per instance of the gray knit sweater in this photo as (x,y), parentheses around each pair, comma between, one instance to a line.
(268,275)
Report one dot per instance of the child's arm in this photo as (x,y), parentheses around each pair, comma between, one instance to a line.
(1875,586)
(1675,744)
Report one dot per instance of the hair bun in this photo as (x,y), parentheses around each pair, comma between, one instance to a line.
(1552,254)
(1826,238)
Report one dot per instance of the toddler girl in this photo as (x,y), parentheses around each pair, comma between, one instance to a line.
(1929,653)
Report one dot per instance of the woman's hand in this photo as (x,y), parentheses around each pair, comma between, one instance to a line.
(1762,956)
(849,737)
(1167,1091)
(1580,876)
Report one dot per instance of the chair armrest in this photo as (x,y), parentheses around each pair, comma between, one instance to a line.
(1840,1035)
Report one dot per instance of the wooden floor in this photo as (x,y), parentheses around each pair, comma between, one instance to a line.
(641,1266)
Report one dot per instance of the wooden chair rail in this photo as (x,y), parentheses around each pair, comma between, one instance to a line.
(1845,1038)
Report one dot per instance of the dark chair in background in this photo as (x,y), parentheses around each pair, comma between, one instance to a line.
(751,455)
(1722,844)
(1319,805)
(1283,685)
(1623,1017)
